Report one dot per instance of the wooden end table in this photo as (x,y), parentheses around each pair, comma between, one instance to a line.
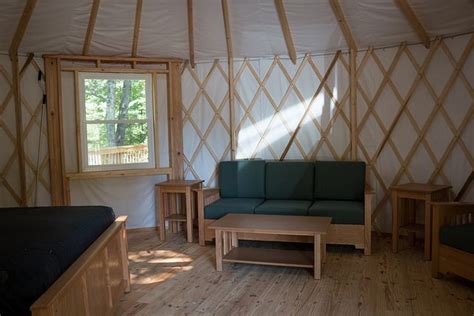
(228,227)
(169,188)
(403,199)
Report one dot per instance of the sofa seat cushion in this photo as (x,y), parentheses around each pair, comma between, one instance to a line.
(342,212)
(339,180)
(289,180)
(284,207)
(242,179)
(459,236)
(231,205)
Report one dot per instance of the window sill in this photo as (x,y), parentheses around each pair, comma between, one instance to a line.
(118,173)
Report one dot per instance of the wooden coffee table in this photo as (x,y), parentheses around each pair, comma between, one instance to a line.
(228,227)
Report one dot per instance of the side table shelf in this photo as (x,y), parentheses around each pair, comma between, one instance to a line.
(164,214)
(403,206)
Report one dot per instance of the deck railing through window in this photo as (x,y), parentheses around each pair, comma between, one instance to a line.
(118,155)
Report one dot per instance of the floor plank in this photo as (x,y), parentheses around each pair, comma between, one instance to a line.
(177,278)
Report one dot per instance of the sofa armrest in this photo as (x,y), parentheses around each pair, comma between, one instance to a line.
(452,213)
(205,196)
(447,213)
(208,195)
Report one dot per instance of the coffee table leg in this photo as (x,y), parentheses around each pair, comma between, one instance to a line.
(235,240)
(317,257)
(218,250)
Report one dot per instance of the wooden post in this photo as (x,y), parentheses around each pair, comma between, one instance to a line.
(176,122)
(19,128)
(353,100)
(13,52)
(230,74)
(59,183)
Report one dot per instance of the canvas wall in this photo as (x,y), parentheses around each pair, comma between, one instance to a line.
(433,140)
(414,114)
(35,142)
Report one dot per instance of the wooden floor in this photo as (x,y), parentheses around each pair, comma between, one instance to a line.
(177,278)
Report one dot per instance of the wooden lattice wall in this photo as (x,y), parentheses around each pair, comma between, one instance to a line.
(414,114)
(32,106)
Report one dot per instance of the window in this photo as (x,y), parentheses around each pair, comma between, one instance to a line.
(116,117)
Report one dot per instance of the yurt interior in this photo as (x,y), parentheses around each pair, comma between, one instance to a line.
(236,157)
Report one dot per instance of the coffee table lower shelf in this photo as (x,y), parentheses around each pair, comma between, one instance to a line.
(272,257)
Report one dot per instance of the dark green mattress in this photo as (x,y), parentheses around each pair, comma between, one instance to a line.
(38,244)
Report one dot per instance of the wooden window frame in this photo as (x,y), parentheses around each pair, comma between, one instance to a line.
(151,121)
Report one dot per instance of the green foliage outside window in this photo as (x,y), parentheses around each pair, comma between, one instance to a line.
(115,100)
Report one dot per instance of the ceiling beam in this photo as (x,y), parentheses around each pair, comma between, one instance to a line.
(285,27)
(136,29)
(414,21)
(341,20)
(191,33)
(228,37)
(230,76)
(90,27)
(22,25)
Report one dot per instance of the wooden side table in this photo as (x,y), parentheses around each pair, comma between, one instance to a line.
(163,191)
(404,212)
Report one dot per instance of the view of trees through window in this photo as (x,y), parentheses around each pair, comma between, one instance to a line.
(116,121)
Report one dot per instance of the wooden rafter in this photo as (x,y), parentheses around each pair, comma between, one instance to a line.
(341,20)
(90,27)
(285,28)
(22,25)
(191,33)
(136,29)
(228,37)
(230,77)
(414,21)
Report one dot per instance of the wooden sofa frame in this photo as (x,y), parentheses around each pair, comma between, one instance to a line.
(343,234)
(95,282)
(446,258)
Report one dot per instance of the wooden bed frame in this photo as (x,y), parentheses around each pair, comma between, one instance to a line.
(342,234)
(95,282)
(446,258)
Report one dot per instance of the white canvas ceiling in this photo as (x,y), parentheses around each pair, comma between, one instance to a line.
(60,26)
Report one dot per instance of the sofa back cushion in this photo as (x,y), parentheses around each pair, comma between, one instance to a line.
(339,180)
(242,179)
(289,180)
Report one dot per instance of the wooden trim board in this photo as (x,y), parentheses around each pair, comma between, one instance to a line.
(273,257)
(95,282)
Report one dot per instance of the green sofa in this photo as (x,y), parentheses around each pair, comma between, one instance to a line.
(323,188)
